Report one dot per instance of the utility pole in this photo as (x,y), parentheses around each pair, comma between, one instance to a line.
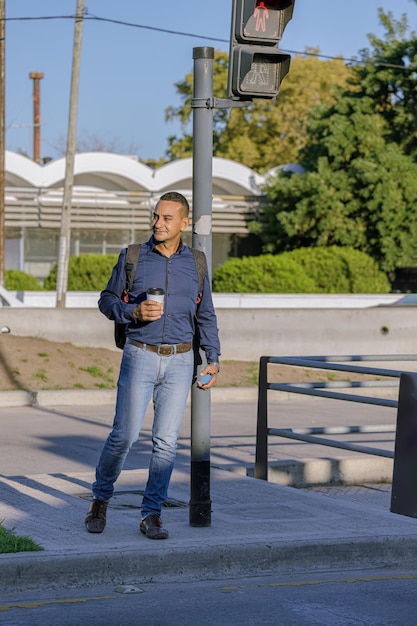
(2,139)
(36,77)
(65,235)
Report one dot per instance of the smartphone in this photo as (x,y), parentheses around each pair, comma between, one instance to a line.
(206,379)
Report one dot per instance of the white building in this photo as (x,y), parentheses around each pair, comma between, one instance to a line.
(112,204)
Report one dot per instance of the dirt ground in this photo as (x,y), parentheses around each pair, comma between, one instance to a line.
(32,363)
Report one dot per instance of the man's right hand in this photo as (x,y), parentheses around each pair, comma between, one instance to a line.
(148,311)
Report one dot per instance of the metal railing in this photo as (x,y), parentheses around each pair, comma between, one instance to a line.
(324,390)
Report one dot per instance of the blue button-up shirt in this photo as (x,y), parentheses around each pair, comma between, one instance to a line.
(177,275)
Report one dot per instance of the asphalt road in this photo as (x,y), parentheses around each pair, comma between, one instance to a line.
(343,598)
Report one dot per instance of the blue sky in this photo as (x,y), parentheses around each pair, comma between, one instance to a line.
(128,74)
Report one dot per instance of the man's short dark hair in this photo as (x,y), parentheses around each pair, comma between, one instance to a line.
(175,196)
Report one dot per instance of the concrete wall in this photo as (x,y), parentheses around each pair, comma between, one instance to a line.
(384,330)
(247,334)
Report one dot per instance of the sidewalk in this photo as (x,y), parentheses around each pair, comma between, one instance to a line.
(48,459)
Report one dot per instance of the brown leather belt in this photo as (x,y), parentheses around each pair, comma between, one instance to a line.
(164,349)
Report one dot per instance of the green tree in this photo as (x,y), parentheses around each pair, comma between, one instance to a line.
(265,133)
(180,147)
(388,75)
(358,190)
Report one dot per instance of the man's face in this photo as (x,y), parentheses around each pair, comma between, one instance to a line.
(168,221)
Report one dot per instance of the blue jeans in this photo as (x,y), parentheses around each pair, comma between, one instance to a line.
(145,375)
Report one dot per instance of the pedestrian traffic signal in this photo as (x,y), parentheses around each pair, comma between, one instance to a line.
(256,65)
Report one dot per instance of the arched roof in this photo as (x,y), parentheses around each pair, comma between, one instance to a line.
(113,171)
(21,171)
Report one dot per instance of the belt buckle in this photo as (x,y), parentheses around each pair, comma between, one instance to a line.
(165,347)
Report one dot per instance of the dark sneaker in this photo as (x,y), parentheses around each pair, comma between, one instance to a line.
(95,520)
(151,526)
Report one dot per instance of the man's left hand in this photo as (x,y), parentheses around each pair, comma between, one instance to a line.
(209,369)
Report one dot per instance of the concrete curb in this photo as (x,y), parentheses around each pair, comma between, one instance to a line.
(85,397)
(74,397)
(312,472)
(60,397)
(342,471)
(115,567)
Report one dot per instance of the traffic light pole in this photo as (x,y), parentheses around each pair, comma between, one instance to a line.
(256,69)
(202,104)
(200,503)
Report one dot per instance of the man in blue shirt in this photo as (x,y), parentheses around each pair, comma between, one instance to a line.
(158,359)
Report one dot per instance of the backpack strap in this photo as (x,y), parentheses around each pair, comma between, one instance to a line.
(201,266)
(132,257)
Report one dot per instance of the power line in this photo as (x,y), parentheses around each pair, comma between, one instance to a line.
(89,16)
(154,28)
(347,61)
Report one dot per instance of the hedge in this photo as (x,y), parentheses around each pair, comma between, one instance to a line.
(87,272)
(331,269)
(262,274)
(305,270)
(338,269)
(15,280)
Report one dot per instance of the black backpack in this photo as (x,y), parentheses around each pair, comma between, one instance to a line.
(131,262)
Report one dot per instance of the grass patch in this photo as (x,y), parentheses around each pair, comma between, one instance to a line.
(332,376)
(11,543)
(253,373)
(41,374)
(94,370)
(97,372)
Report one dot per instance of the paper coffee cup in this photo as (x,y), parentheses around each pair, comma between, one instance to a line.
(155,293)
